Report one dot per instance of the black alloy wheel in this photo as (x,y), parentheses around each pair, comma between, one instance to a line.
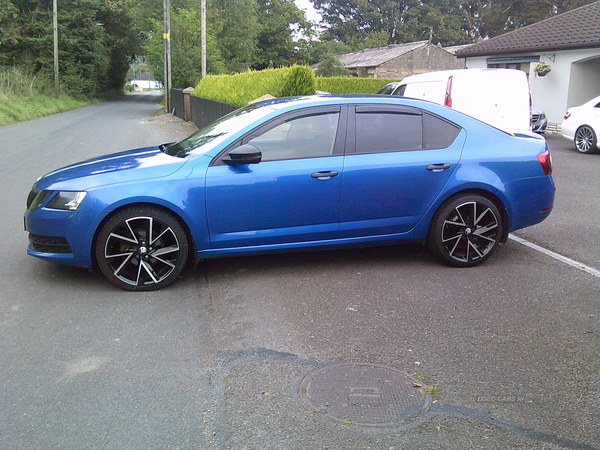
(586,140)
(141,249)
(465,231)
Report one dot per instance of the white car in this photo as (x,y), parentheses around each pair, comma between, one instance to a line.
(582,125)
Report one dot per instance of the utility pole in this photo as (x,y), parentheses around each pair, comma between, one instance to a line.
(167,44)
(55,33)
(429,41)
(203,36)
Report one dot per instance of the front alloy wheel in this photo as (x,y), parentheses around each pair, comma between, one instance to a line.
(585,139)
(465,231)
(141,249)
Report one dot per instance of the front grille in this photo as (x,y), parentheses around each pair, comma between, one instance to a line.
(535,117)
(49,244)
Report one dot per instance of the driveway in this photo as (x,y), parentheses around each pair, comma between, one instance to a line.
(218,359)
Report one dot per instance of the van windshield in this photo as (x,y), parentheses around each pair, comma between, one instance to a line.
(400,91)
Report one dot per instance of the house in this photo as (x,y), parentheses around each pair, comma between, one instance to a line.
(568,42)
(400,60)
(145,81)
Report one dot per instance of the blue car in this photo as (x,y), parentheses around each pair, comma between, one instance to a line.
(290,174)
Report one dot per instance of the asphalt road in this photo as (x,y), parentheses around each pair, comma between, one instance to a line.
(216,360)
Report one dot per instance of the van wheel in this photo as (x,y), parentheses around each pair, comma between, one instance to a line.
(465,230)
(586,140)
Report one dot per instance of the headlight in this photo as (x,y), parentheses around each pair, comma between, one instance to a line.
(66,200)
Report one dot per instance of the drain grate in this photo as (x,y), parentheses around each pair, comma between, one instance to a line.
(365,394)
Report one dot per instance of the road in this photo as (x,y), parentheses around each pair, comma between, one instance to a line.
(217,359)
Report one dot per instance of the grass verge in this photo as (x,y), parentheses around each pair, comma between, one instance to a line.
(15,109)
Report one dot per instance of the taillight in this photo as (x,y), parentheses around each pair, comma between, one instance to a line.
(448,98)
(567,115)
(545,160)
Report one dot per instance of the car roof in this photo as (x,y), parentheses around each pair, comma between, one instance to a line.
(338,99)
(289,104)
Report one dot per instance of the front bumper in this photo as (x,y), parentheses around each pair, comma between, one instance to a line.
(59,236)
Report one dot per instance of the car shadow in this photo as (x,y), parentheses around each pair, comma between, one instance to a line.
(338,258)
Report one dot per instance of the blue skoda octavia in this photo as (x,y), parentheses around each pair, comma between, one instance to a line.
(292,174)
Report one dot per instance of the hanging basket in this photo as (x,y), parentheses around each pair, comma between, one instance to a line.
(542,69)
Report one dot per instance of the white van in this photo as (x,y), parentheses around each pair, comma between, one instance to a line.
(499,97)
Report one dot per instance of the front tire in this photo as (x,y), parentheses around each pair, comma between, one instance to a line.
(141,249)
(586,140)
(465,231)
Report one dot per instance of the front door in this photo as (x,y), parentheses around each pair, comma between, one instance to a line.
(291,196)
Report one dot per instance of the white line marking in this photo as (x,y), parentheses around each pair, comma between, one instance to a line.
(556,256)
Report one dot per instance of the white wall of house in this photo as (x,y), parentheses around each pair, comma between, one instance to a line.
(145,84)
(574,79)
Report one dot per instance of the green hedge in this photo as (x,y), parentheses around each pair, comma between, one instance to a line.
(347,85)
(241,88)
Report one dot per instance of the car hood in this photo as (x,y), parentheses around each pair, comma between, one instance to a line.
(143,163)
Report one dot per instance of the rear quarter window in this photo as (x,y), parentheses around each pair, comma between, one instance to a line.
(438,133)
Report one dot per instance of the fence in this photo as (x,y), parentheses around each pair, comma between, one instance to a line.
(177,103)
(202,111)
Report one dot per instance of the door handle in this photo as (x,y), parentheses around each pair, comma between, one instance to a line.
(438,167)
(325,174)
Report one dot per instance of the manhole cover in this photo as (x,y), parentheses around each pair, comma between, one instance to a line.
(365,394)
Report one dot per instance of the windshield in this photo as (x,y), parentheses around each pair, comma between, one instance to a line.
(217,131)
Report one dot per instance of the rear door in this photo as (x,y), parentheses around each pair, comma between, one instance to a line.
(398,160)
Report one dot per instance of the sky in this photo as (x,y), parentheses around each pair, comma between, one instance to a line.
(311,14)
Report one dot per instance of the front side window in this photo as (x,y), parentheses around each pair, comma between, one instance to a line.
(302,137)
(208,137)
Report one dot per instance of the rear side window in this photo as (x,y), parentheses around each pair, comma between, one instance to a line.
(380,132)
(400,131)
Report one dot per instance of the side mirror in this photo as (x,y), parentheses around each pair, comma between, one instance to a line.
(244,154)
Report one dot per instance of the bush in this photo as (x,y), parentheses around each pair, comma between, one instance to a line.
(17,81)
(299,80)
(243,87)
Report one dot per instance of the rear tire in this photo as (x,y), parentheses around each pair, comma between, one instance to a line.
(141,249)
(465,231)
(586,140)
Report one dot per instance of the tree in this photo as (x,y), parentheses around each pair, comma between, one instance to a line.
(454,22)
(96,40)
(186,53)
(235,23)
(278,21)
(331,66)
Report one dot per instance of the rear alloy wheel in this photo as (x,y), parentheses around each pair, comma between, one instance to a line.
(465,231)
(141,249)
(585,139)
